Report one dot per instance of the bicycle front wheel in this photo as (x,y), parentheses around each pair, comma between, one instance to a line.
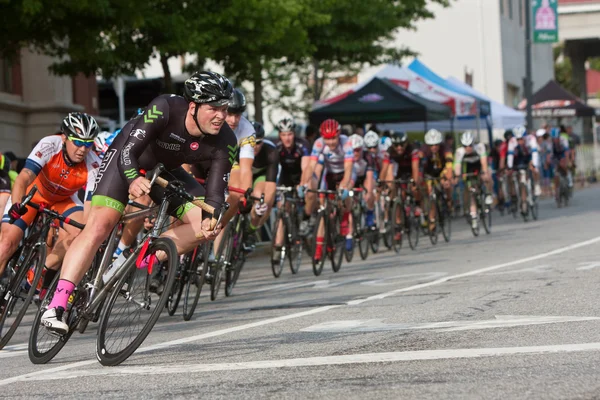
(132,310)
(319,262)
(278,253)
(398,223)
(15,302)
(336,242)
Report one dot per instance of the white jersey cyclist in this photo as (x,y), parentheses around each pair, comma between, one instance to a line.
(246,138)
(471,161)
(333,159)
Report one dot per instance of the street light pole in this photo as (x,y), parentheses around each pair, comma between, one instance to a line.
(527,81)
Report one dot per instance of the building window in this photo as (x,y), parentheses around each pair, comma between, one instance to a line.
(510,9)
(5,76)
(521,10)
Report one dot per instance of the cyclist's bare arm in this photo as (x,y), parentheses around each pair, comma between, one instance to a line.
(246,172)
(25,178)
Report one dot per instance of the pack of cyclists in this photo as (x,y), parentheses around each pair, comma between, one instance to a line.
(207,146)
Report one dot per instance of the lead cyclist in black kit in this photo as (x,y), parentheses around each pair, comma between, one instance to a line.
(174,130)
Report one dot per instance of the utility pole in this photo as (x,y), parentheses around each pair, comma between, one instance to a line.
(527,80)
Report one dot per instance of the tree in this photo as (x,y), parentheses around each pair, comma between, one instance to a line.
(563,70)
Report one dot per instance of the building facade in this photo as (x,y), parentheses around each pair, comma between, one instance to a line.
(33,102)
(481,42)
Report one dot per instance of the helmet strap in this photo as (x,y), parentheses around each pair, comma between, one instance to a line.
(68,161)
(195,118)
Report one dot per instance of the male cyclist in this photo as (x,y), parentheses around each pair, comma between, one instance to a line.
(363,176)
(242,156)
(436,161)
(401,161)
(522,154)
(59,166)
(561,154)
(264,177)
(174,130)
(471,158)
(294,156)
(336,153)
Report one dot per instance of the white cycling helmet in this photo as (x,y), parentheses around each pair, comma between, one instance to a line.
(519,131)
(356,141)
(371,139)
(467,138)
(433,137)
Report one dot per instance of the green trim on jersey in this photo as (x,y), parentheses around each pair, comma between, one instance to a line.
(105,201)
(184,208)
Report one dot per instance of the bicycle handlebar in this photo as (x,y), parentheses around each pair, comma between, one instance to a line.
(42,208)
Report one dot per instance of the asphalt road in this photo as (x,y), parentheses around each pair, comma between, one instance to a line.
(511,315)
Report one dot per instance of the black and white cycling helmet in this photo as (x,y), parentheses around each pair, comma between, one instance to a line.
(286,125)
(206,87)
(356,141)
(433,137)
(519,131)
(398,138)
(80,125)
(467,138)
(371,139)
(237,105)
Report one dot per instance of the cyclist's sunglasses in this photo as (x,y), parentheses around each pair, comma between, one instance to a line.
(87,143)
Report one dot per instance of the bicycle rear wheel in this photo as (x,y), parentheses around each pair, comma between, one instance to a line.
(44,345)
(319,263)
(485,213)
(194,281)
(444,218)
(278,253)
(177,288)
(121,329)
(15,302)
(336,241)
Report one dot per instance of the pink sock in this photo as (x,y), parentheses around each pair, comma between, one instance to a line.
(61,294)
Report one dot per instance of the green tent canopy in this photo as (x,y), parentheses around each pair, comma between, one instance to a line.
(380,101)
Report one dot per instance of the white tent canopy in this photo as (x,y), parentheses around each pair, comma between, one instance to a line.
(503,117)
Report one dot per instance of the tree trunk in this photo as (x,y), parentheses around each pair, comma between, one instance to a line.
(257,81)
(167,73)
(316,86)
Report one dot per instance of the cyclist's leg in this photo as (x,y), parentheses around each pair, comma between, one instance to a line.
(73,210)
(235,180)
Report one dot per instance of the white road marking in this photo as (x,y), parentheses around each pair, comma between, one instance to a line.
(164,345)
(584,266)
(501,321)
(13,350)
(420,355)
(477,271)
(393,280)
(538,269)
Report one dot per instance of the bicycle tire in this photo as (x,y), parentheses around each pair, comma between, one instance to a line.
(475,228)
(318,264)
(485,213)
(525,214)
(177,288)
(433,233)
(363,236)
(295,242)
(190,300)
(220,260)
(397,227)
(278,253)
(444,219)
(230,265)
(336,244)
(412,228)
(37,254)
(36,355)
(103,352)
